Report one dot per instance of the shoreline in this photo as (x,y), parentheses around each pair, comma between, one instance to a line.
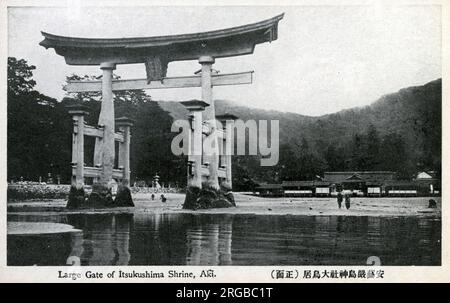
(248,205)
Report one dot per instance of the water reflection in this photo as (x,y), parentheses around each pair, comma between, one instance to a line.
(181,239)
(209,243)
(192,239)
(105,238)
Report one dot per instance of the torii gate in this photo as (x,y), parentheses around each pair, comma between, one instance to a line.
(155,53)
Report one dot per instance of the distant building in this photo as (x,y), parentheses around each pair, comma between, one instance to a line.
(374,188)
(315,188)
(360,183)
(359,176)
(400,188)
(270,190)
(427,183)
(322,188)
(298,188)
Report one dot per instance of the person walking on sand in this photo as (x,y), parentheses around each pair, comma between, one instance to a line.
(339,199)
(163,199)
(347,201)
(153,197)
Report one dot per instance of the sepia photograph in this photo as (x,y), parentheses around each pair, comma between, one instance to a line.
(233,135)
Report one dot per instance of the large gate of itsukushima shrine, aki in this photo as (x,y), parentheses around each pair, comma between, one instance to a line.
(209,184)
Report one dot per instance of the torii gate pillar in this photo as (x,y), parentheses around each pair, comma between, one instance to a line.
(211,152)
(194,175)
(104,151)
(104,147)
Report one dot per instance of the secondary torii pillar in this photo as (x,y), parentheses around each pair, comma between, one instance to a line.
(227,121)
(77,194)
(124,124)
(123,197)
(196,108)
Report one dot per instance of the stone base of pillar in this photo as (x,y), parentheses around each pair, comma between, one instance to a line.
(77,197)
(230,197)
(101,196)
(226,190)
(207,197)
(192,194)
(123,197)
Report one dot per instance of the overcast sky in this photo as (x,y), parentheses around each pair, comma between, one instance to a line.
(326,58)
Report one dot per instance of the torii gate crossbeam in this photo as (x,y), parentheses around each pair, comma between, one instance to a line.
(80,86)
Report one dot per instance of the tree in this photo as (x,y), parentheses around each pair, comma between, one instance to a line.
(39,136)
(289,163)
(334,158)
(372,148)
(394,156)
(20,75)
(357,159)
(245,174)
(131,96)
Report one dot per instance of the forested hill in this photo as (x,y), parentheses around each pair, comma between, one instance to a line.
(413,112)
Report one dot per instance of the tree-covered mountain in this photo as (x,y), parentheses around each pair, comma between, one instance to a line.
(399,132)
(414,113)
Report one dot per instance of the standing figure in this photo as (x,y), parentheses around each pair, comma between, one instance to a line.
(153,196)
(347,201)
(432,203)
(339,199)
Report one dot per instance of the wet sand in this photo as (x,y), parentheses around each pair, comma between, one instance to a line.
(38,228)
(247,204)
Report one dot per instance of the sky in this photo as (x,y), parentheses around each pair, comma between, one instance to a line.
(326,58)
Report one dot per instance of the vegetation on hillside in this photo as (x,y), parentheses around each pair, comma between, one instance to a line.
(399,132)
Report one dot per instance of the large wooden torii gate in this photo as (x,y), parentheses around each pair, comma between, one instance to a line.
(156,53)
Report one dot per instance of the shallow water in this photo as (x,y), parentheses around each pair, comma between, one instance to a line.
(213,239)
